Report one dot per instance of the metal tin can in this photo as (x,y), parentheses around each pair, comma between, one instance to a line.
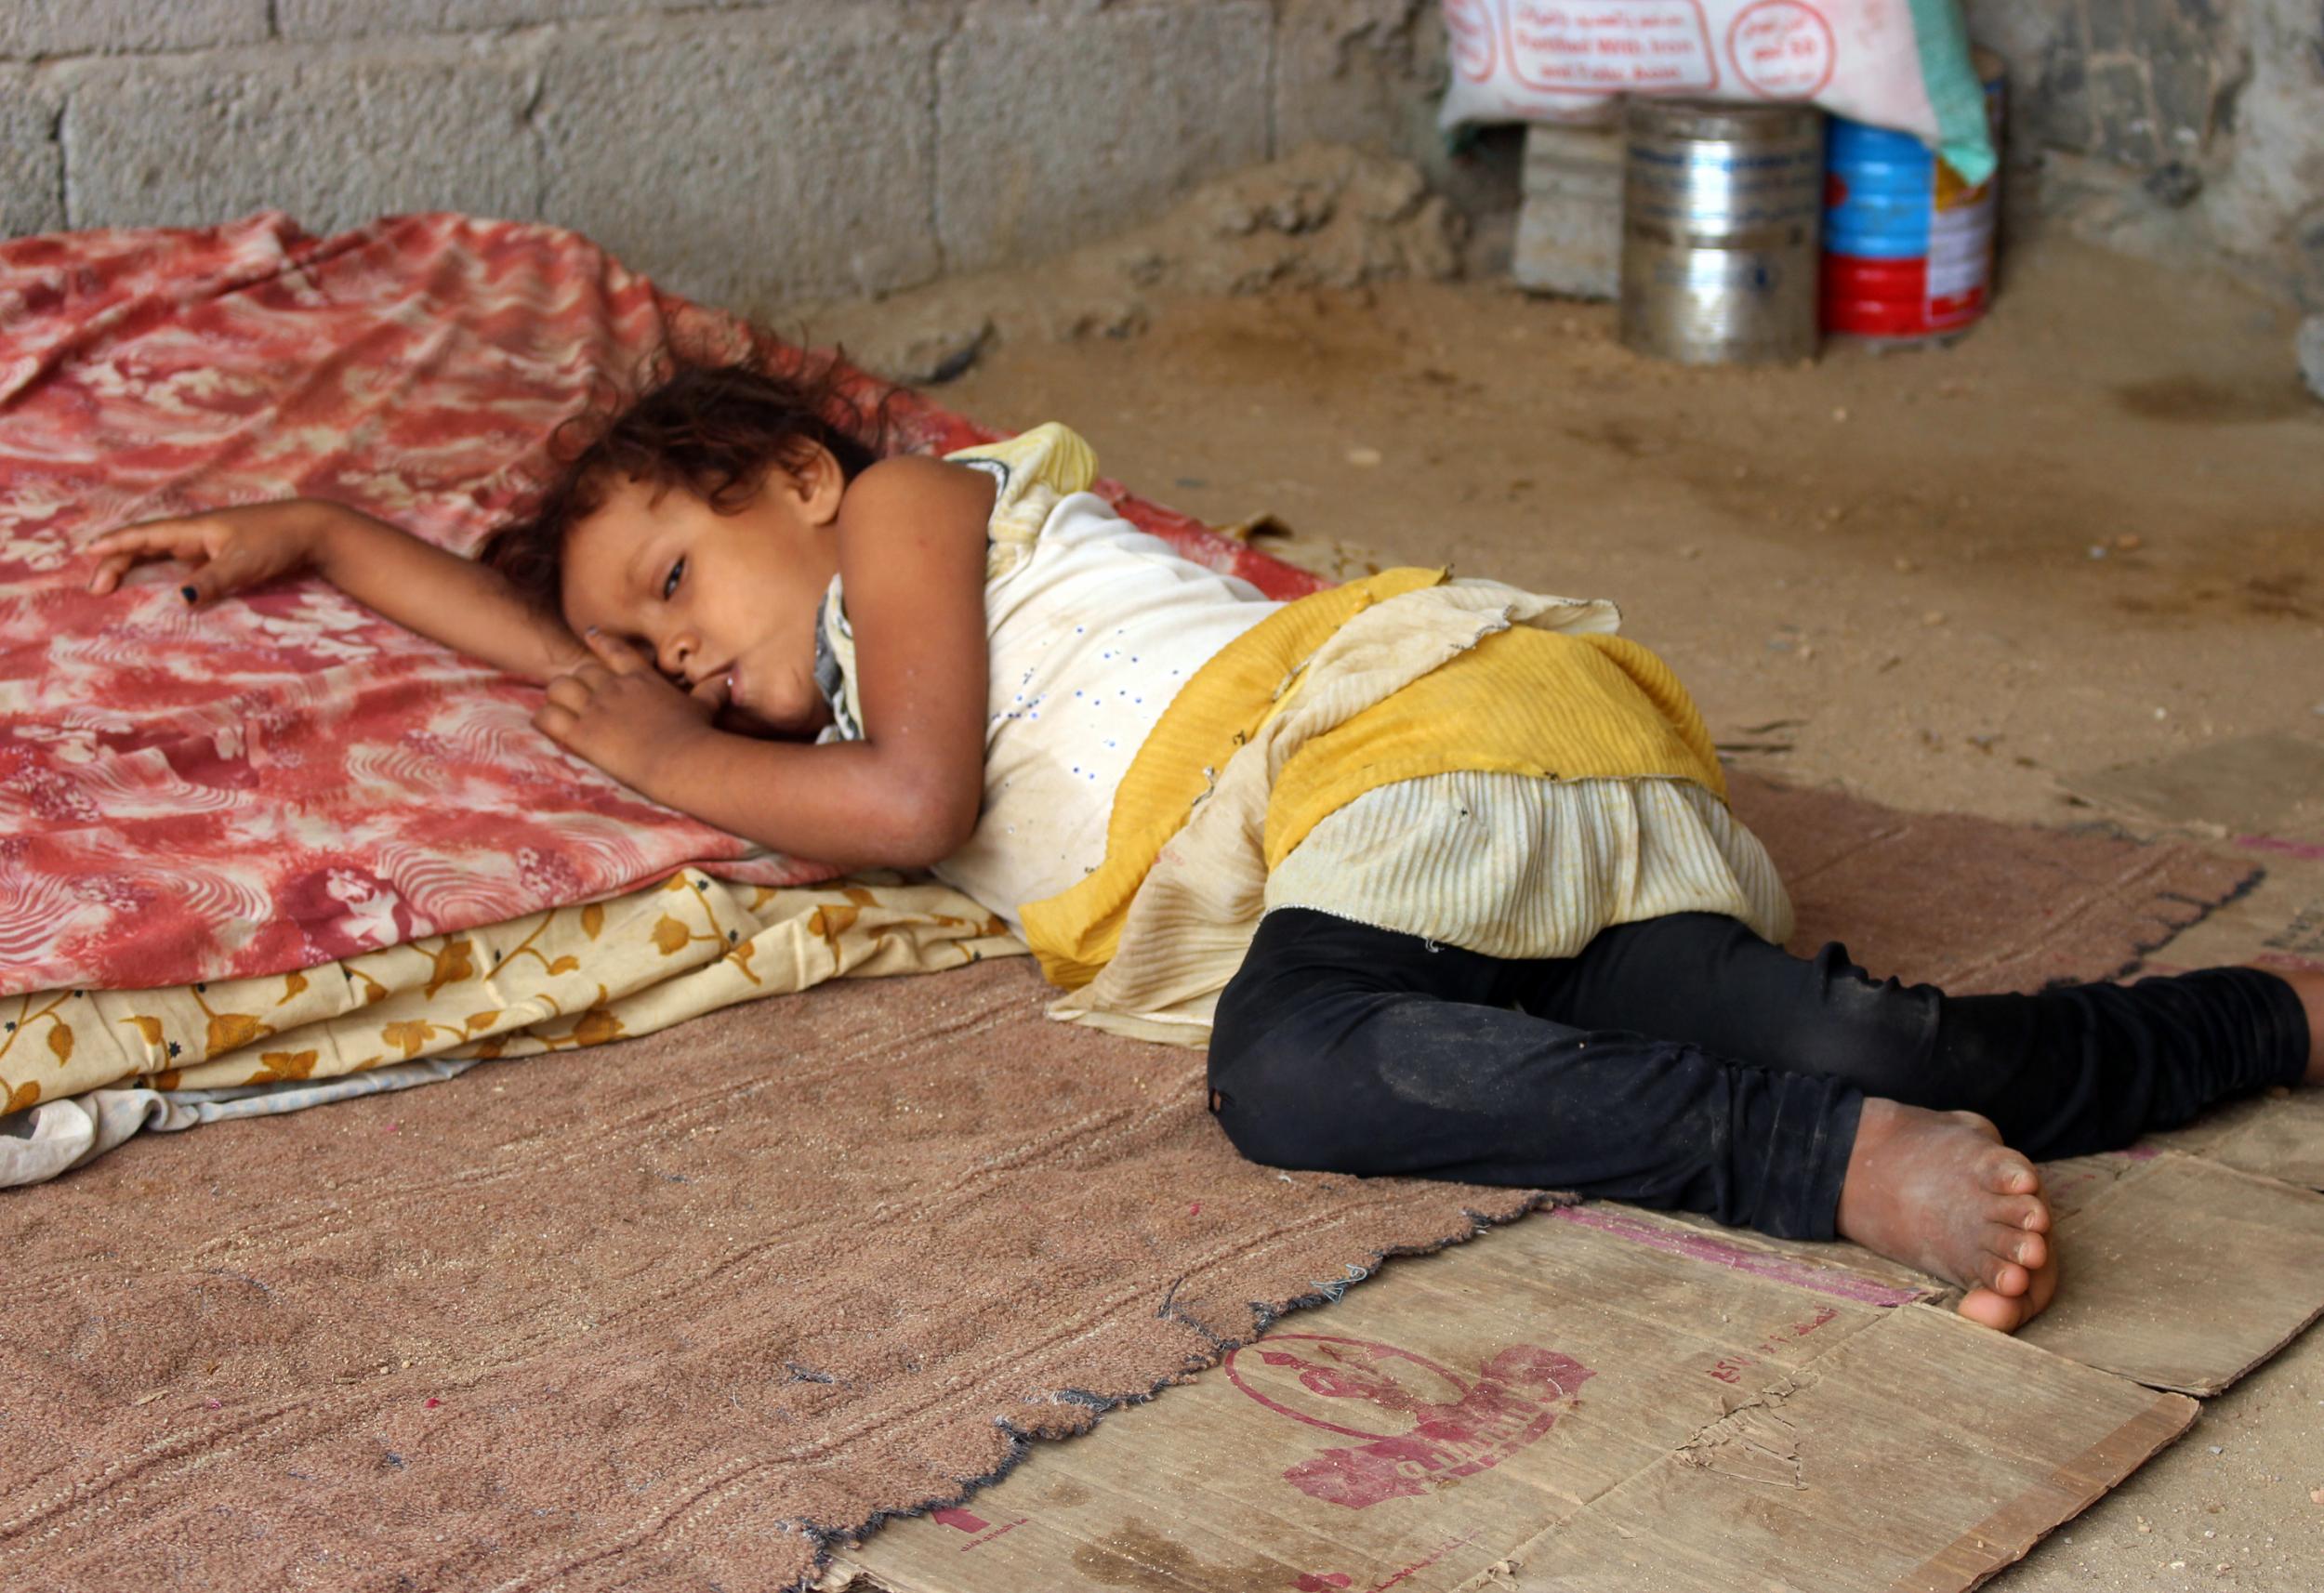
(1908,244)
(1720,212)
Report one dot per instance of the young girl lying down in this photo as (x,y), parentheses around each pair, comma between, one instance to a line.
(1445,866)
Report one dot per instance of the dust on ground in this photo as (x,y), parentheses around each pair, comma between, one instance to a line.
(2090,533)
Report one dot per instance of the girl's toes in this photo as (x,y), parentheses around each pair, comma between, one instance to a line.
(2027,1214)
(2010,1174)
(1993,1311)
(2028,1250)
(2040,1292)
(2003,1276)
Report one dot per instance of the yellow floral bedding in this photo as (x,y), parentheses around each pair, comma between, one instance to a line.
(573,977)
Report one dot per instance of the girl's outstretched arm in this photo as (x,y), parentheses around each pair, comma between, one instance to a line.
(911,543)
(440,594)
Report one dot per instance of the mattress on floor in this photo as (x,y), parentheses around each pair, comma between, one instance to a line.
(285,778)
(281,839)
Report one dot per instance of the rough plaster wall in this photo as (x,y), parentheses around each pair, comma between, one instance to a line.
(354,18)
(791,155)
(1366,73)
(1370,74)
(2270,202)
(32,167)
(1048,131)
(744,150)
(2192,130)
(192,138)
(72,27)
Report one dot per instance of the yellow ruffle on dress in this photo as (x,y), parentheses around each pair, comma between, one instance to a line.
(1458,760)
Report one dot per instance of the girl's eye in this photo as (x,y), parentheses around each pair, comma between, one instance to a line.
(669,583)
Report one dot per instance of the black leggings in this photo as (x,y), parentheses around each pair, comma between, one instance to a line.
(1684,1061)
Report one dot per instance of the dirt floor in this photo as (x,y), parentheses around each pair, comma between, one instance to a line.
(2090,535)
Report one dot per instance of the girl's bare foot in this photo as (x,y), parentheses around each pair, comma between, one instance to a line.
(1939,1190)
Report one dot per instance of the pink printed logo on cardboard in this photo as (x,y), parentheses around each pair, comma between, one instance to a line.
(1438,1423)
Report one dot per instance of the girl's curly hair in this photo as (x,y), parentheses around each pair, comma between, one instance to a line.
(713,429)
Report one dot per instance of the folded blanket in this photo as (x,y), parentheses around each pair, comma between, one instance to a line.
(285,779)
(90,1068)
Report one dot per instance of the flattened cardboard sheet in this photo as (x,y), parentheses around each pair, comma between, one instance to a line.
(1911,1468)
(2264,783)
(1895,1282)
(1582,1404)
(2179,1273)
(2280,1135)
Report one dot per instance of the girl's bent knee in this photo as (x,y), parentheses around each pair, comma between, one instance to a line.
(1253,1131)
(1278,1133)
(1274,1105)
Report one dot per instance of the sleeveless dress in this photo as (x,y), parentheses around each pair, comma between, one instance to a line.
(1456,760)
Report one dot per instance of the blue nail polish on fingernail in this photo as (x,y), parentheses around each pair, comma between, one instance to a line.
(187,593)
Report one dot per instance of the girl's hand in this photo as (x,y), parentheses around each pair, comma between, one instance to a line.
(231,549)
(619,712)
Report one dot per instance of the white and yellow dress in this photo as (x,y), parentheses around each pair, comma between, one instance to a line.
(1169,755)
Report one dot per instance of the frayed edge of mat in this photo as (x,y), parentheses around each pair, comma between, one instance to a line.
(2204,907)
(830,1541)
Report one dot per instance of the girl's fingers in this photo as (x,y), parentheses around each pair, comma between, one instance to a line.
(176,537)
(616,654)
(110,572)
(120,550)
(201,586)
(215,577)
(570,692)
(118,562)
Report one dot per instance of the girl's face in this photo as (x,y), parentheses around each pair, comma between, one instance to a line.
(725,604)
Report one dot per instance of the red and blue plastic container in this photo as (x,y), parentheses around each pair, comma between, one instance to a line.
(1908,244)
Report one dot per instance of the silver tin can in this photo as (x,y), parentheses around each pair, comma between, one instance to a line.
(1721,210)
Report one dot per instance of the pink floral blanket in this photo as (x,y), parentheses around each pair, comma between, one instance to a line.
(285,779)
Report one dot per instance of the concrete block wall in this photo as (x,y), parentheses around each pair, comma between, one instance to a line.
(760,152)
(746,152)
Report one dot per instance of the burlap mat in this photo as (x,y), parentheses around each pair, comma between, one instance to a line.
(768,1275)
